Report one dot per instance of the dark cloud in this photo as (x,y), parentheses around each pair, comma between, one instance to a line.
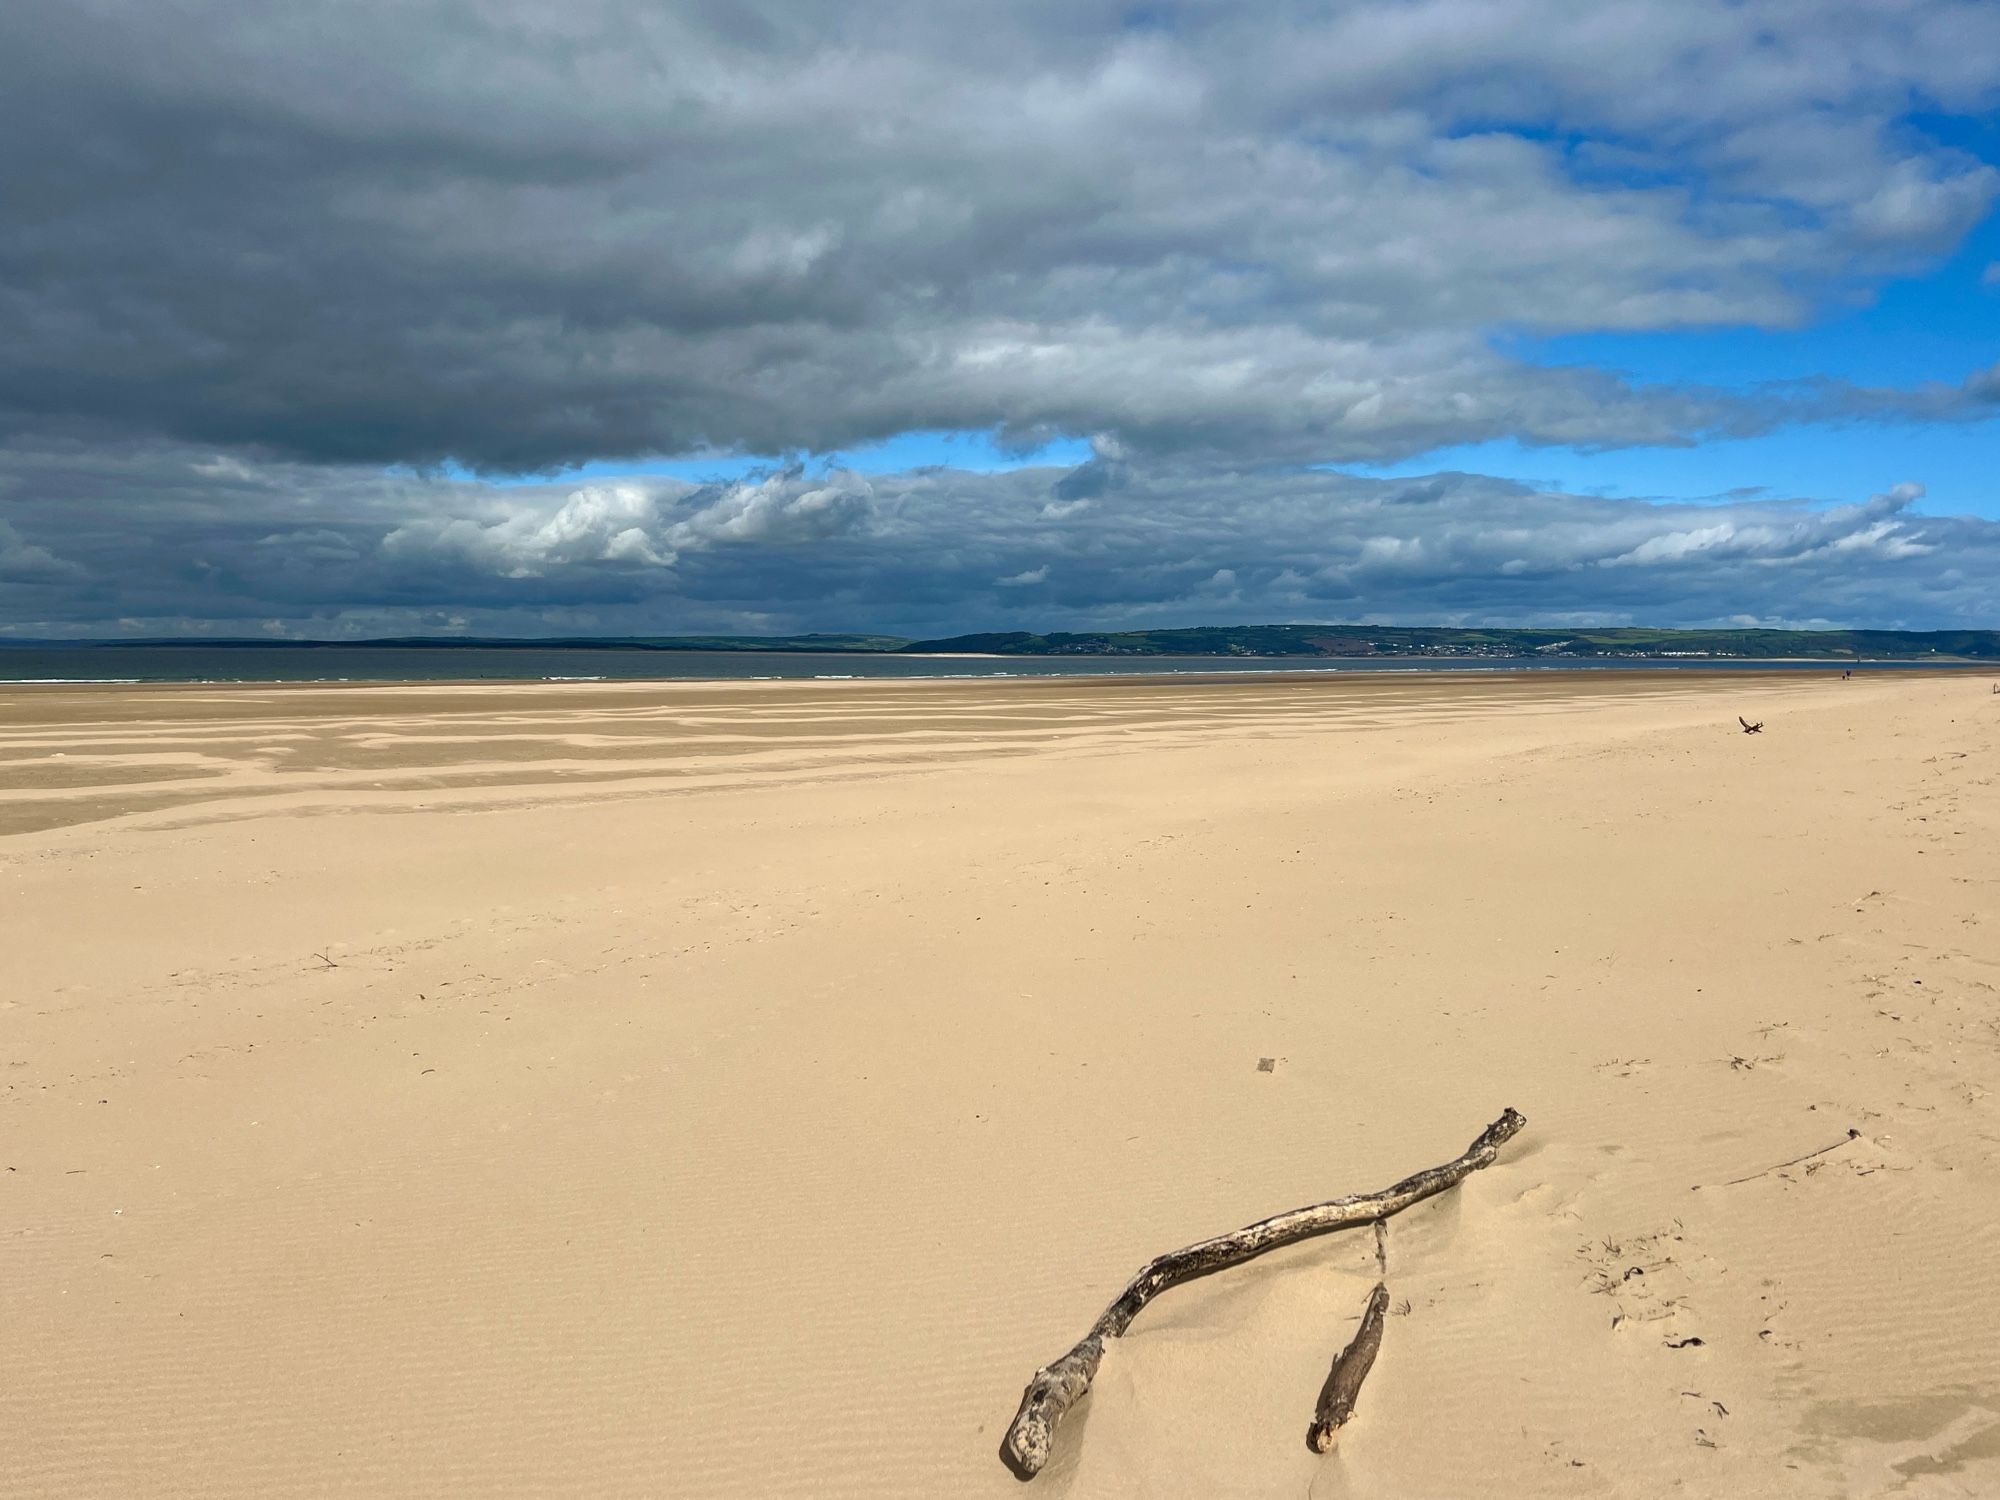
(258,263)
(1104,470)
(517,234)
(23,563)
(152,539)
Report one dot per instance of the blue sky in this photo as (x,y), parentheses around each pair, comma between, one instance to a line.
(1937,325)
(971,451)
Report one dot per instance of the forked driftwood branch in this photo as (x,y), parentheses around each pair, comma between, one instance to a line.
(1059,1386)
(1350,1368)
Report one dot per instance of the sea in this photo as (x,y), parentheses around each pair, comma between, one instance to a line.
(283,663)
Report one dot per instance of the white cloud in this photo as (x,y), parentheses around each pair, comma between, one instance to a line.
(784,507)
(596,524)
(646,524)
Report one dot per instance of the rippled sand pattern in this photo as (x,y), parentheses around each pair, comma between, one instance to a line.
(165,755)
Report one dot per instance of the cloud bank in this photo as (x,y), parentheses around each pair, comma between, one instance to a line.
(298,549)
(258,261)
(516,235)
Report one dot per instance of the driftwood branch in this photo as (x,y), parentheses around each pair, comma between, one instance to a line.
(1059,1386)
(1350,1368)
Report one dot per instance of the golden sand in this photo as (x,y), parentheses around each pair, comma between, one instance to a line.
(738,1089)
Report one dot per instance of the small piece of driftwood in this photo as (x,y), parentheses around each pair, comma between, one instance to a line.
(1059,1386)
(1350,1368)
(1852,1135)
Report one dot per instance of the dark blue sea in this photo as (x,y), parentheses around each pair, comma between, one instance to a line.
(117,663)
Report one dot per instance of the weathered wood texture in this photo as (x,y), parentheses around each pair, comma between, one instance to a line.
(1059,1386)
(1350,1368)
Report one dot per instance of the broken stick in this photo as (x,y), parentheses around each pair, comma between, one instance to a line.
(1852,1135)
(1350,1368)
(1059,1386)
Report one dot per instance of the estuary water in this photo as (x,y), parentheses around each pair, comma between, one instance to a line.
(293,663)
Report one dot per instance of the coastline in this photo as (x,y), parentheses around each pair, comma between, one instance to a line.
(1057,666)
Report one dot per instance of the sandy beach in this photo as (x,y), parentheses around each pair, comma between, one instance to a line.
(739,1089)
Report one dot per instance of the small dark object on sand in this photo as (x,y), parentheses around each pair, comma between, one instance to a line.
(1748,727)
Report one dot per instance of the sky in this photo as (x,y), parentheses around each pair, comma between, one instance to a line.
(511,317)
